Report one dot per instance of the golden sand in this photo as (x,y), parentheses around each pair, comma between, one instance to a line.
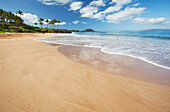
(35,77)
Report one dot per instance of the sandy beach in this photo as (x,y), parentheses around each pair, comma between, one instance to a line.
(117,64)
(35,77)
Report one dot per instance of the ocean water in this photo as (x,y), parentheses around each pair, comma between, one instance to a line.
(152,47)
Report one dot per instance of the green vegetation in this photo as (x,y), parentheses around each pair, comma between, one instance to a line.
(10,22)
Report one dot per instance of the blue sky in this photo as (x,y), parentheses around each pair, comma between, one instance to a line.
(100,15)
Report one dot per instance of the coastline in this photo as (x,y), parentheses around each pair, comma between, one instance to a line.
(36,77)
(139,58)
(146,59)
(117,64)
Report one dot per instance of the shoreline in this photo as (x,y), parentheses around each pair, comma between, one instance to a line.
(36,77)
(153,74)
(140,58)
(136,57)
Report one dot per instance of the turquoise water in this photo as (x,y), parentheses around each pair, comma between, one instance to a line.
(156,35)
(152,47)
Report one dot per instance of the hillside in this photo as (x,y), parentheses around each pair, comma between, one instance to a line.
(88,30)
(11,22)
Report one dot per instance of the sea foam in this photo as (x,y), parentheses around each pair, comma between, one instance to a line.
(153,48)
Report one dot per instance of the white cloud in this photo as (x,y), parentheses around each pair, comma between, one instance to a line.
(88,11)
(92,9)
(29,18)
(75,22)
(113,14)
(126,14)
(112,9)
(97,3)
(32,18)
(49,3)
(121,2)
(54,2)
(118,6)
(76,5)
(84,22)
(61,23)
(137,4)
(99,15)
(152,21)
(115,8)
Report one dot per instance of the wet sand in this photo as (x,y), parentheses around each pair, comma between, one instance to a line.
(35,77)
(117,64)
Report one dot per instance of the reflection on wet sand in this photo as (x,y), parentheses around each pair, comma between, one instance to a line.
(117,64)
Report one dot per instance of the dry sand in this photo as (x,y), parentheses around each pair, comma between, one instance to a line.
(35,77)
(20,35)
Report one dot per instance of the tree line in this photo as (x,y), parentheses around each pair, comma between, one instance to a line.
(52,22)
(9,17)
(13,22)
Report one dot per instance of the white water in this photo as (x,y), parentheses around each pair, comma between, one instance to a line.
(154,51)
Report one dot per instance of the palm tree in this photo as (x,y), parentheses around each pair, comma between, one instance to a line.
(51,23)
(2,15)
(41,23)
(6,16)
(55,21)
(58,23)
(17,19)
(35,24)
(47,21)
(10,16)
(20,13)
(40,20)
(1,12)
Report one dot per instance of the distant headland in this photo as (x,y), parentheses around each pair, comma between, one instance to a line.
(89,30)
